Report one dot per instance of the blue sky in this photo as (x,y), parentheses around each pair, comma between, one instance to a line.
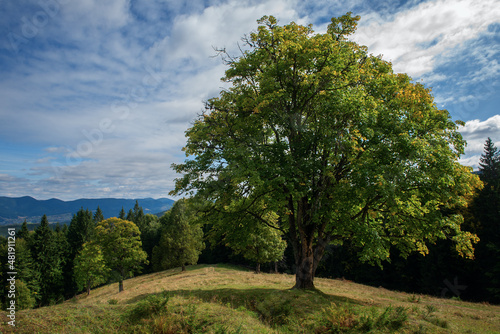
(95,95)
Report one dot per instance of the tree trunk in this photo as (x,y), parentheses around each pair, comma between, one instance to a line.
(120,285)
(304,275)
(183,267)
(88,290)
(257,268)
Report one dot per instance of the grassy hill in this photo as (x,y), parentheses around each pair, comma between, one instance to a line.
(224,299)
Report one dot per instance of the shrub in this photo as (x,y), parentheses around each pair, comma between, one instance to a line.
(148,307)
(338,319)
(274,310)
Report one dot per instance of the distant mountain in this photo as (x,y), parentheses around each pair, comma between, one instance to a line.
(16,210)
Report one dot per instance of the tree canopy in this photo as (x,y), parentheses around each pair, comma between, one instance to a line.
(90,267)
(181,239)
(121,247)
(335,142)
(257,239)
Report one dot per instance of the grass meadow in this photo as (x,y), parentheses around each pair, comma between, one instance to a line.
(227,299)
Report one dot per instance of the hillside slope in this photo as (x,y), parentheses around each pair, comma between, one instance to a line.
(222,299)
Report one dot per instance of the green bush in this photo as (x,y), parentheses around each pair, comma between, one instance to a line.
(392,318)
(338,319)
(148,307)
(274,310)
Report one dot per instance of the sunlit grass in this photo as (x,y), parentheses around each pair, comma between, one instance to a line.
(226,299)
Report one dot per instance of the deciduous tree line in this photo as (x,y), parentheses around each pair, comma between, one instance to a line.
(55,264)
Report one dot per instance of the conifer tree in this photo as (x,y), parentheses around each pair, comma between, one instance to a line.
(130,216)
(48,262)
(181,238)
(487,211)
(98,215)
(27,273)
(23,233)
(122,214)
(138,217)
(81,230)
(489,164)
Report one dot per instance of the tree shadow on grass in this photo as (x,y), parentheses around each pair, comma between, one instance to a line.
(249,298)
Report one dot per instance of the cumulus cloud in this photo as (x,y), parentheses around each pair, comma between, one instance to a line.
(412,39)
(475,132)
(98,100)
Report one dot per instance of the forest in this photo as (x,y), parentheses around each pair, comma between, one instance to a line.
(54,265)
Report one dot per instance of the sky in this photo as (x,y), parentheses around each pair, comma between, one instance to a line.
(96,95)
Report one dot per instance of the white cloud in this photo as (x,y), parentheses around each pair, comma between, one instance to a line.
(117,82)
(475,132)
(412,39)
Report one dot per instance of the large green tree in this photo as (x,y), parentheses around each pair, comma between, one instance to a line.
(335,142)
(259,240)
(181,240)
(81,230)
(90,268)
(121,245)
(49,262)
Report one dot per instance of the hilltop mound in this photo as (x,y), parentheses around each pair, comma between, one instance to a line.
(224,299)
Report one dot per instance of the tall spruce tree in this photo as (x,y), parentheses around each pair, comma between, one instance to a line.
(81,230)
(23,233)
(489,163)
(48,263)
(98,215)
(122,214)
(487,211)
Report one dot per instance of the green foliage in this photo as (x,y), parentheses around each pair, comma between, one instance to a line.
(90,267)
(148,307)
(25,299)
(48,260)
(26,267)
(338,319)
(346,319)
(122,214)
(121,246)
(81,230)
(98,215)
(335,143)
(23,233)
(150,235)
(259,240)
(181,239)
(274,310)
(489,164)
(486,210)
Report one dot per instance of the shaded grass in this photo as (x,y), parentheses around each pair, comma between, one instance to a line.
(228,299)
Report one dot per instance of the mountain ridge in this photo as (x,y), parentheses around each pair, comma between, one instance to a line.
(14,210)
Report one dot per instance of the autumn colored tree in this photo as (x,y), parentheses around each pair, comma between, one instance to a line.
(332,140)
(121,246)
